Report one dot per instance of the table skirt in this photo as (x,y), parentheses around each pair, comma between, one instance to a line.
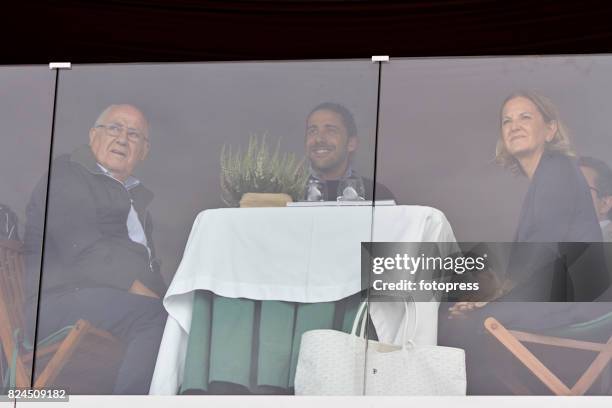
(243,346)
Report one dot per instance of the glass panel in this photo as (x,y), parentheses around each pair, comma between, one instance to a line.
(26,111)
(440,122)
(188,123)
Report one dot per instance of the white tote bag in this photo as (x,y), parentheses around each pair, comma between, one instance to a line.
(332,362)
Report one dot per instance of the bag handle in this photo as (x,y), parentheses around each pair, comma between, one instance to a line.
(405,330)
(361,318)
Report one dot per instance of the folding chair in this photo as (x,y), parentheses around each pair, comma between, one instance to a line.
(80,357)
(572,337)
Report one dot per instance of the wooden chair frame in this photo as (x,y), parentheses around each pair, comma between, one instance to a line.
(11,318)
(513,340)
(11,301)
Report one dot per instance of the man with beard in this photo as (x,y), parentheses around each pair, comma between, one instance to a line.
(331,142)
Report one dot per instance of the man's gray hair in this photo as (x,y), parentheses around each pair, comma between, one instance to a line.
(103,114)
(109,108)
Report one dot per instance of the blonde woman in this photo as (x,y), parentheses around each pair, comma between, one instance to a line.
(556,210)
(534,142)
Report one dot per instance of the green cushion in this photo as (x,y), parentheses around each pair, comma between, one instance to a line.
(599,329)
(11,369)
(254,344)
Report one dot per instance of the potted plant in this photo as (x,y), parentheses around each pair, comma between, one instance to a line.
(260,178)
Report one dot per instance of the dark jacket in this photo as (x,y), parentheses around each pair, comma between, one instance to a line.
(558,255)
(558,206)
(87,242)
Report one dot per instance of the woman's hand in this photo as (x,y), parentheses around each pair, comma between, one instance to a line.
(459,309)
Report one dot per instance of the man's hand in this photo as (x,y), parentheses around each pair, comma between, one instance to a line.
(459,309)
(138,288)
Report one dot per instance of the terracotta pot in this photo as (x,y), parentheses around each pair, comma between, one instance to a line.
(264,200)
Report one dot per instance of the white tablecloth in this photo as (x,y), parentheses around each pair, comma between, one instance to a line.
(297,254)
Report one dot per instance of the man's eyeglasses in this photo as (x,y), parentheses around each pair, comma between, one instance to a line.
(115,130)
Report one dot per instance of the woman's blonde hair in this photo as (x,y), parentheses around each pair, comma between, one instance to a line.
(559,143)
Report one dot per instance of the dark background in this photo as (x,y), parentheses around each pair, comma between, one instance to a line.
(192,30)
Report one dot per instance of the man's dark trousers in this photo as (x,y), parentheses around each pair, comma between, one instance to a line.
(137,320)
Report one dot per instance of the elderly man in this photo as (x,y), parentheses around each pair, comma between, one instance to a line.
(99,261)
(599,178)
(331,142)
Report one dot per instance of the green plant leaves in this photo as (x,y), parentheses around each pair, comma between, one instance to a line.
(259,171)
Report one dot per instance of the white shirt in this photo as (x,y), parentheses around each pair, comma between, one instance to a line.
(134,227)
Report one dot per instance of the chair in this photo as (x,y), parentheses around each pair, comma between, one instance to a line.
(576,337)
(65,359)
